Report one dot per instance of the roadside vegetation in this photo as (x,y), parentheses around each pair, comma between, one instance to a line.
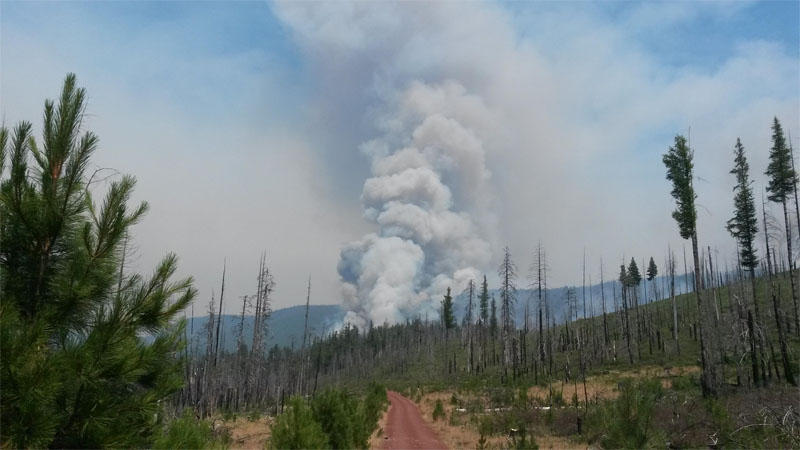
(334,418)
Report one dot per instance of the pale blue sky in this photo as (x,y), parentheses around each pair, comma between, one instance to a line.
(243,120)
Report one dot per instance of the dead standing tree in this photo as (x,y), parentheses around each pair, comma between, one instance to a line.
(508,294)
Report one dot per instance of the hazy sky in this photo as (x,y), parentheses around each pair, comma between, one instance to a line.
(249,125)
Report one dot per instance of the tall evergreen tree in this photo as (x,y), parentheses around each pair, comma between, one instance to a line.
(634,277)
(680,171)
(77,371)
(634,280)
(448,319)
(652,270)
(782,179)
(743,226)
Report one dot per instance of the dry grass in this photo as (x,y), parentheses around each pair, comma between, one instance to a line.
(605,387)
(247,434)
(377,438)
(464,435)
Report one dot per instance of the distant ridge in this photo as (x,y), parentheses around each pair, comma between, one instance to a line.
(286,324)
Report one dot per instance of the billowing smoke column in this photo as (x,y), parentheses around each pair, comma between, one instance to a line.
(429,182)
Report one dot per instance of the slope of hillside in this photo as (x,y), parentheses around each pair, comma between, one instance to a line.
(285,326)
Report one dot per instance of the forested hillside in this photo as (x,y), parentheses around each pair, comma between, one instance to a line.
(286,324)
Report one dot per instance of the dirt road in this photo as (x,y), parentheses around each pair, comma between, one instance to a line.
(405,428)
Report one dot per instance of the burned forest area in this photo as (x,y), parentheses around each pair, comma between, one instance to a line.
(476,226)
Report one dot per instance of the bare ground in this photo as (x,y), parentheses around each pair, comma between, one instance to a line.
(249,434)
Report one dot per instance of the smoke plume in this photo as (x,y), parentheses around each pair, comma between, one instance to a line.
(429,181)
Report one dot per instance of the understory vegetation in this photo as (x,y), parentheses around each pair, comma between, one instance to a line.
(334,418)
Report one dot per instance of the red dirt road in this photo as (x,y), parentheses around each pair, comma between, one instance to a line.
(405,428)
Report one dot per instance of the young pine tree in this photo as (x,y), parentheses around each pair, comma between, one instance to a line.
(77,371)
(680,171)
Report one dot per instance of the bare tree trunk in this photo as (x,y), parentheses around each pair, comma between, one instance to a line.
(709,378)
(787,366)
(603,304)
(791,267)
(219,316)
(766,236)
(671,269)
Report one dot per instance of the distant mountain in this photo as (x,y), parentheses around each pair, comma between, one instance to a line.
(286,325)
(556,298)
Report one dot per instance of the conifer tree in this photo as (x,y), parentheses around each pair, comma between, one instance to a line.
(680,171)
(634,277)
(782,179)
(743,226)
(634,280)
(652,270)
(77,371)
(448,319)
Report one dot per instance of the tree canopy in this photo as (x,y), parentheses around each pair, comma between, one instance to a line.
(743,226)
(89,351)
(634,277)
(448,318)
(678,161)
(782,176)
(652,270)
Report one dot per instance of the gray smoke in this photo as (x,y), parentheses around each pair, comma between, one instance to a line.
(429,180)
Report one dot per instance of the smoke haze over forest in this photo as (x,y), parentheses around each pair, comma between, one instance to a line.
(390,151)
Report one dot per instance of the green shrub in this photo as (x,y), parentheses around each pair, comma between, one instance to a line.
(341,419)
(474,406)
(629,418)
(375,403)
(522,440)
(252,416)
(722,421)
(228,415)
(185,432)
(557,398)
(454,400)
(501,396)
(685,383)
(522,397)
(438,410)
(297,429)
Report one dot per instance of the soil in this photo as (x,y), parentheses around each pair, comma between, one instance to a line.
(405,428)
